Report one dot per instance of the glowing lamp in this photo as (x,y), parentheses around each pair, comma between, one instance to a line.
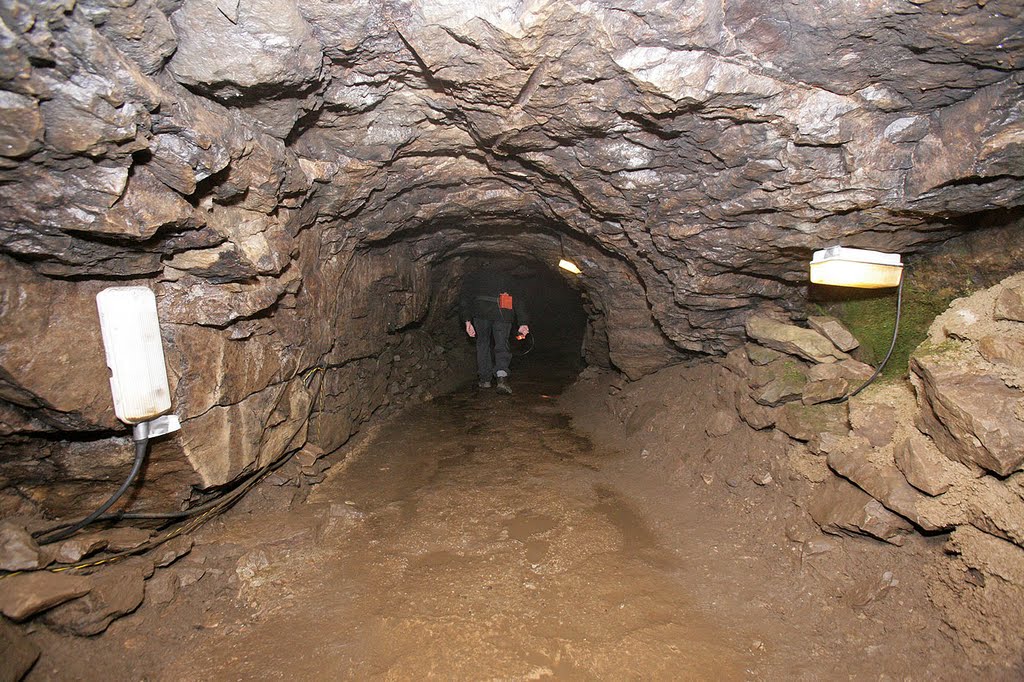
(843,267)
(569,266)
(135,355)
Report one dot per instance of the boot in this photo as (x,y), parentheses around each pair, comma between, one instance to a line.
(503,386)
(484,384)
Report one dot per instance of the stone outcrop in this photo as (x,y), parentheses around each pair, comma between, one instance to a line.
(1010,303)
(18,551)
(27,594)
(970,382)
(940,453)
(842,508)
(971,414)
(834,331)
(788,338)
(923,465)
(113,593)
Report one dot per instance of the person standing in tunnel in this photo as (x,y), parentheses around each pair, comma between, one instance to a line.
(490,305)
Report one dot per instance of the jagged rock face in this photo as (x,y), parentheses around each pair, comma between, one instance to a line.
(291,176)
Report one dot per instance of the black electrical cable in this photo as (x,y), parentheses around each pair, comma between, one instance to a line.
(59,534)
(532,342)
(206,506)
(224,499)
(892,346)
(228,496)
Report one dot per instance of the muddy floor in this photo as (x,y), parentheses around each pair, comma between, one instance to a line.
(483,537)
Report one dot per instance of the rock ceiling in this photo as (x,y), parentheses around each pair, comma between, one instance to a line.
(709,145)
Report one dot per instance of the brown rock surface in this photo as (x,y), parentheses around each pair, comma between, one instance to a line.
(759,355)
(172,550)
(815,392)
(1002,350)
(783,380)
(163,587)
(1010,303)
(17,652)
(805,422)
(73,550)
(988,574)
(18,551)
(26,594)
(126,538)
(873,417)
(51,355)
(793,340)
(720,423)
(834,331)
(114,591)
(972,416)
(839,507)
(852,370)
(757,416)
(924,466)
(884,482)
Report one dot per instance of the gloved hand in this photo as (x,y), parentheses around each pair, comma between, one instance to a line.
(524,329)
(470,330)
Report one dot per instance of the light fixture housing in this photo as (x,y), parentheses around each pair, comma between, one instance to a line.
(569,266)
(861,268)
(135,354)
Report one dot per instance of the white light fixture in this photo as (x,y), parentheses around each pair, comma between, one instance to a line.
(138,382)
(569,266)
(135,355)
(843,267)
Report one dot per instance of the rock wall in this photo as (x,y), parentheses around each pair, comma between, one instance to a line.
(941,453)
(287,174)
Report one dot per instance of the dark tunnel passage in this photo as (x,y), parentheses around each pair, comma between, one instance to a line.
(686,480)
(554,304)
(418,275)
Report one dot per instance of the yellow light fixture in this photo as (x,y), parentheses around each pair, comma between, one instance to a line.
(843,267)
(569,266)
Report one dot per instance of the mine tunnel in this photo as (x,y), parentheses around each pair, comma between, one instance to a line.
(761,269)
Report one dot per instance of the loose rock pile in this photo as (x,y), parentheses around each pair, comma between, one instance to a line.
(944,454)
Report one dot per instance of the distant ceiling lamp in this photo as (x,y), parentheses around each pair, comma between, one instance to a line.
(569,266)
(842,267)
(564,263)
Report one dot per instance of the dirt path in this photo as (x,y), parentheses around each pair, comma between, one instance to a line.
(481,537)
(475,538)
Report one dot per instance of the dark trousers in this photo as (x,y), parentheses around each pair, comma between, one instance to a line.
(492,333)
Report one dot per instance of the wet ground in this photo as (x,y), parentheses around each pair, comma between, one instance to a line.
(475,538)
(482,537)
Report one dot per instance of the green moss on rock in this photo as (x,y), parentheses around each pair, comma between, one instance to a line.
(870,316)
